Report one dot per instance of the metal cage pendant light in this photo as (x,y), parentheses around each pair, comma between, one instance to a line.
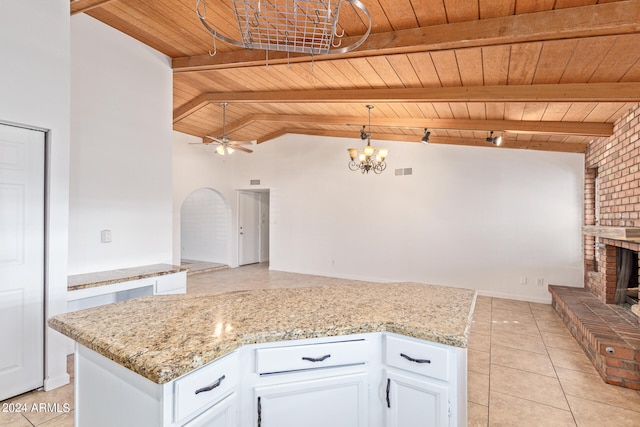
(369,159)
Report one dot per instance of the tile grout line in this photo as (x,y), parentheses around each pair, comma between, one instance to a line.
(490,352)
(555,370)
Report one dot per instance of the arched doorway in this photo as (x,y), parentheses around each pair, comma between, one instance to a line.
(205,228)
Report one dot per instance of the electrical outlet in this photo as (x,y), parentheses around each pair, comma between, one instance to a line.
(540,281)
(105,236)
(523,280)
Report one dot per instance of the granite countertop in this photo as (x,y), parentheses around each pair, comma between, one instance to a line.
(165,336)
(101,278)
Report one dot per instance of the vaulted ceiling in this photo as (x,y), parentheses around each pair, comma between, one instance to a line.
(546,74)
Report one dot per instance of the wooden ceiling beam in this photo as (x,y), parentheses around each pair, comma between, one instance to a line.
(471,142)
(569,92)
(508,126)
(598,20)
(81,6)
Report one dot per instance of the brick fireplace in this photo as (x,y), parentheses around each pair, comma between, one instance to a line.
(608,332)
(612,275)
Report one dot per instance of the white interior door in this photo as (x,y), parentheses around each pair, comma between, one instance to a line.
(248,227)
(21,260)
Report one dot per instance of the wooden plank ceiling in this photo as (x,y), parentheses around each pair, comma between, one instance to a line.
(545,74)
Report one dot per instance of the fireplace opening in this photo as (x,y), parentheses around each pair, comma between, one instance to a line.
(627,277)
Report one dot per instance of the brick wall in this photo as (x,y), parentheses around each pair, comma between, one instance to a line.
(608,333)
(616,163)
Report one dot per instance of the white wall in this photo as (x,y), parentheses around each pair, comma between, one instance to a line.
(121,111)
(196,166)
(205,227)
(35,91)
(481,218)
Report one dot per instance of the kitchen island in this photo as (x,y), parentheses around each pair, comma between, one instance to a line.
(379,353)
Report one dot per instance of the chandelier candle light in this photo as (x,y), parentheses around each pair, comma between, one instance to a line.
(369,159)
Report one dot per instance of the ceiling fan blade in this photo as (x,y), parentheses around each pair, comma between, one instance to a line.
(232,142)
(219,140)
(241,148)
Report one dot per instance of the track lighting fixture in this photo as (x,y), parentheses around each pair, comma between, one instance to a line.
(363,133)
(495,140)
(425,138)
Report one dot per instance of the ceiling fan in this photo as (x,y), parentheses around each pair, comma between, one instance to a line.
(225,144)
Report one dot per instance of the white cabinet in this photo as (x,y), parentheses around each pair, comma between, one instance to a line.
(364,380)
(414,402)
(94,296)
(315,384)
(205,387)
(108,395)
(222,414)
(340,401)
(423,384)
(175,283)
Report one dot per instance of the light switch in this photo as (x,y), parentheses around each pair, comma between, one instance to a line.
(105,236)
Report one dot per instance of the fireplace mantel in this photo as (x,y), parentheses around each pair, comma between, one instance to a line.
(627,234)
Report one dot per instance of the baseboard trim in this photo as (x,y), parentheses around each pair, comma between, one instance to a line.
(55,382)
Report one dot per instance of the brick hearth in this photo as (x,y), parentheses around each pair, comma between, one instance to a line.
(600,329)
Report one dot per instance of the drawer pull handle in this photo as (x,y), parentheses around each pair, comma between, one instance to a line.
(411,359)
(317,359)
(210,387)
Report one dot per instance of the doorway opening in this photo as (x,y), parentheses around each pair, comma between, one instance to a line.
(205,230)
(253,226)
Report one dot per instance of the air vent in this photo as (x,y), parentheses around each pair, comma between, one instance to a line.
(254,182)
(404,171)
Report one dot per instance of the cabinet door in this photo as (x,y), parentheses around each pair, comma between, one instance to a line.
(223,414)
(335,401)
(413,401)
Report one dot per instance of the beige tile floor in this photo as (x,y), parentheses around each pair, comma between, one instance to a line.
(525,369)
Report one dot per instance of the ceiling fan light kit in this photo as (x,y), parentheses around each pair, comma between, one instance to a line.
(225,144)
(222,150)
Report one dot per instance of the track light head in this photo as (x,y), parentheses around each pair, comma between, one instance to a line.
(490,137)
(425,138)
(495,140)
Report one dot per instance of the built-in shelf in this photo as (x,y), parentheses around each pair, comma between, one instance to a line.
(630,234)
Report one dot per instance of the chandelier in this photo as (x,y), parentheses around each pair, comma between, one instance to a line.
(369,159)
(298,26)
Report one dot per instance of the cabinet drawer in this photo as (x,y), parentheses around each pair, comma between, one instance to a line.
(419,357)
(311,356)
(205,386)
